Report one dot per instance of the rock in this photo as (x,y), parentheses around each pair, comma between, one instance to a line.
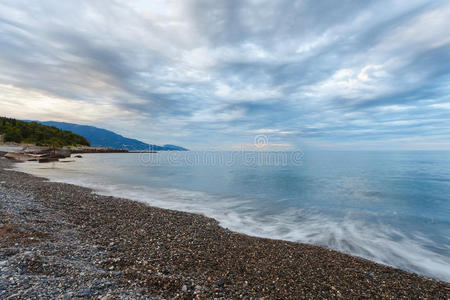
(84,293)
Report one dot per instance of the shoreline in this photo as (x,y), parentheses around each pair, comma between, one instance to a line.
(144,250)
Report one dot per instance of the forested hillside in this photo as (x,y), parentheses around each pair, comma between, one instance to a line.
(16,131)
(105,138)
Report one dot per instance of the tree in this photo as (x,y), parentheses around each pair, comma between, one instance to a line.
(13,135)
(35,133)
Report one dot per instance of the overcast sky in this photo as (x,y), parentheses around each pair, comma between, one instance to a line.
(215,74)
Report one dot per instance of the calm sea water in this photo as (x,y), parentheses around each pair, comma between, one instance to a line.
(390,207)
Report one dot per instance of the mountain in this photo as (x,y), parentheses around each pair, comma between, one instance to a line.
(18,131)
(174,148)
(99,137)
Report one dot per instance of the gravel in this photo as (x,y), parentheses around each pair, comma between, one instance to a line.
(62,241)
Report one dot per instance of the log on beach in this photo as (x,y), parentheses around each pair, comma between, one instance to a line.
(48,152)
(77,150)
(37,150)
(61,240)
(21,157)
(48,159)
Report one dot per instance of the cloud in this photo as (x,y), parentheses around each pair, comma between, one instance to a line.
(363,83)
(35,105)
(201,73)
(247,93)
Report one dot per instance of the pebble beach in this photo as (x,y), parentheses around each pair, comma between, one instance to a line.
(61,241)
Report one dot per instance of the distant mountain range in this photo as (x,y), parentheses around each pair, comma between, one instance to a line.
(99,137)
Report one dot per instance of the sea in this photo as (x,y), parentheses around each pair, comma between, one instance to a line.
(390,207)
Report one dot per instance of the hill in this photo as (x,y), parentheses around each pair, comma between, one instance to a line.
(17,131)
(99,137)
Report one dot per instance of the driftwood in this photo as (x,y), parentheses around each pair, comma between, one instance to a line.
(48,159)
(37,150)
(97,150)
(20,156)
(46,154)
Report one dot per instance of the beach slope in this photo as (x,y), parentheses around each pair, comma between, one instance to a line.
(61,240)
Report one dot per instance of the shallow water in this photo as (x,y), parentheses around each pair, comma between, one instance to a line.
(390,207)
(10,148)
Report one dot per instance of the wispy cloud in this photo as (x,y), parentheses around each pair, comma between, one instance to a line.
(202,73)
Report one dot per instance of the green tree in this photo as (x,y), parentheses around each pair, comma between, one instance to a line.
(35,133)
(13,135)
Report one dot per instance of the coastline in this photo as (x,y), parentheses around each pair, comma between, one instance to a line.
(134,249)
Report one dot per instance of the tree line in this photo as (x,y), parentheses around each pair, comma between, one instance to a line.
(17,131)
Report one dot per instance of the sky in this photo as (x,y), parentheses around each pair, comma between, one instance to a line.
(210,75)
